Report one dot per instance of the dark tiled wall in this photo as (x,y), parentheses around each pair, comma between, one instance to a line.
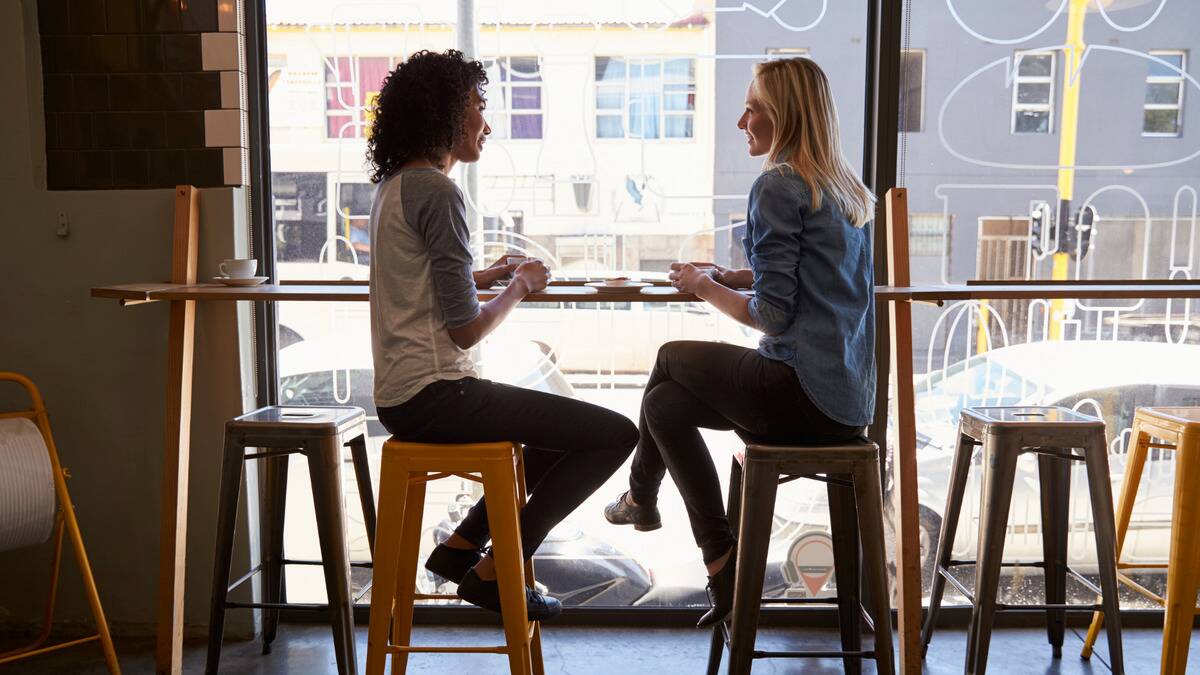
(128,87)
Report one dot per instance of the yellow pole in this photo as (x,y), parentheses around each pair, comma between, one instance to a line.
(981,332)
(1073,55)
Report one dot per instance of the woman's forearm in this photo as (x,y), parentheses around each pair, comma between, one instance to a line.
(491,314)
(728,301)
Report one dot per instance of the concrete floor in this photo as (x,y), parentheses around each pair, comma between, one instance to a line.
(578,650)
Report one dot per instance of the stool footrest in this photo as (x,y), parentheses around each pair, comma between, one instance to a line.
(1001,607)
(435,596)
(427,649)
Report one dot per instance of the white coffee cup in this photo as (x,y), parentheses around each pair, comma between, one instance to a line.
(238,268)
(514,259)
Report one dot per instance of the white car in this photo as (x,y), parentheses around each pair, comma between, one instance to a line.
(1107,379)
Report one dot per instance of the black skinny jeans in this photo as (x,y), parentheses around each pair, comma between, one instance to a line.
(717,386)
(571,447)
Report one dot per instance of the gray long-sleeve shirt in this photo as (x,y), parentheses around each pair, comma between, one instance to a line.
(421,284)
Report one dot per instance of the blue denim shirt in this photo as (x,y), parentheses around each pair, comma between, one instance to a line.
(814,294)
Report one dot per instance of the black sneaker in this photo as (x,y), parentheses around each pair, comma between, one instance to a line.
(452,563)
(643,518)
(486,594)
(720,593)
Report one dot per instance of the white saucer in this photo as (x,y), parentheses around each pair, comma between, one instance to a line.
(605,287)
(241,281)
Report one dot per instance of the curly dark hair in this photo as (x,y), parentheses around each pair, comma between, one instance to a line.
(419,112)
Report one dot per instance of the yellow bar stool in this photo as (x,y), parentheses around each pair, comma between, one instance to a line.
(405,470)
(1175,429)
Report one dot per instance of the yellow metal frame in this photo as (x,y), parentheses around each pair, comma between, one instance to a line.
(1181,435)
(405,471)
(64,523)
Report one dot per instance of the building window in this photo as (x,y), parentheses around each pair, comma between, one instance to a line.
(642,97)
(912,90)
(1163,109)
(351,87)
(514,93)
(1033,94)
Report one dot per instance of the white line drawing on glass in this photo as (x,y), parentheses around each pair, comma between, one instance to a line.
(1130,29)
(1004,41)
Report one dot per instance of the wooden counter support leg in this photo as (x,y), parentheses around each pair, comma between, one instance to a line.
(904,463)
(172,543)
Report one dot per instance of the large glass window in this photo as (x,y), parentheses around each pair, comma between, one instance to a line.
(614,152)
(1076,193)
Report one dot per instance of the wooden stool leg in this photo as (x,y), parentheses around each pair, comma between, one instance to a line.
(406,571)
(362,476)
(999,473)
(945,547)
(733,510)
(325,472)
(758,512)
(868,493)
(1055,478)
(1183,572)
(1135,463)
(272,501)
(227,503)
(843,525)
(393,493)
(499,486)
(535,640)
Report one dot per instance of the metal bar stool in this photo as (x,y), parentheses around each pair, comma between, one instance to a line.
(276,432)
(404,473)
(1177,430)
(1006,433)
(851,472)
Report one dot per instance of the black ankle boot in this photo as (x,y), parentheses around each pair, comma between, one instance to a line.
(451,563)
(720,593)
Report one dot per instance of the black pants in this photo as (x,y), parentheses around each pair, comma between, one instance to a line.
(717,386)
(571,447)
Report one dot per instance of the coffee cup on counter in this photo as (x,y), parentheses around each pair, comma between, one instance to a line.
(238,268)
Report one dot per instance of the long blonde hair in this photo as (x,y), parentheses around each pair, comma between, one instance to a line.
(797,97)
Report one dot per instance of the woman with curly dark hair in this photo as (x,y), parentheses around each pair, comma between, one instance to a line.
(425,315)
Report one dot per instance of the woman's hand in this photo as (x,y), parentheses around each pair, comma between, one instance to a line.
(688,278)
(486,278)
(531,276)
(718,273)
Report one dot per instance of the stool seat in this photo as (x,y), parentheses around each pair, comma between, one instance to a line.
(851,472)
(275,433)
(405,471)
(1054,434)
(303,419)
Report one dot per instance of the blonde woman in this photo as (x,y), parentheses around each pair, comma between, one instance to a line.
(812,378)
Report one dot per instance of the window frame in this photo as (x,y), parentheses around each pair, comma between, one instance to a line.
(505,87)
(626,88)
(1166,79)
(1019,79)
